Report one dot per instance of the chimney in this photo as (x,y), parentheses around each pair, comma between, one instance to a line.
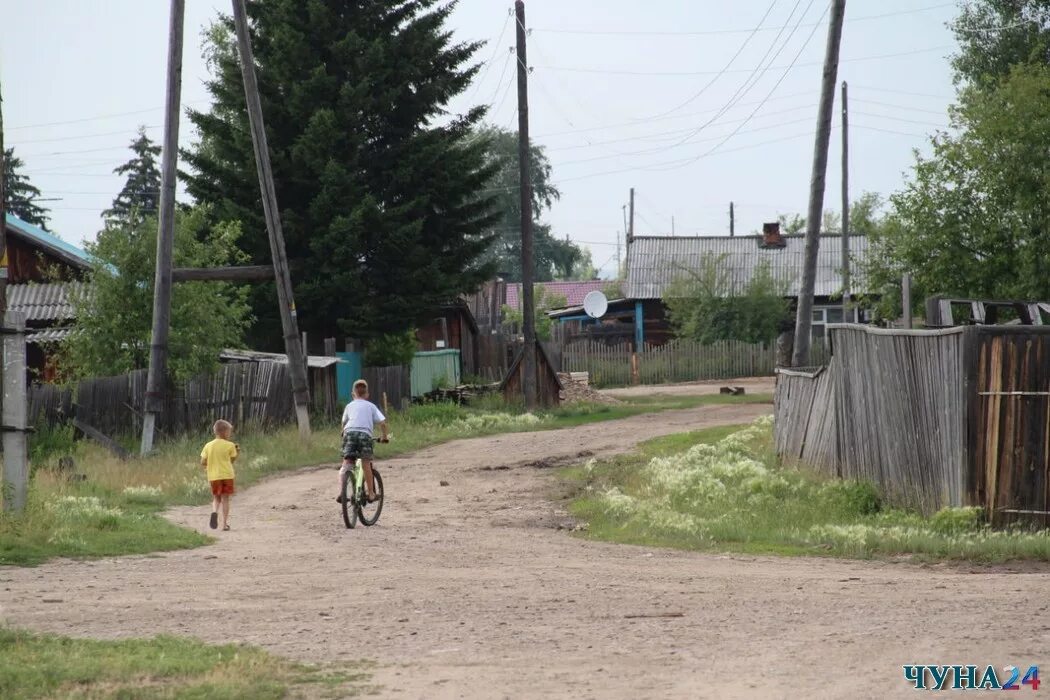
(771,237)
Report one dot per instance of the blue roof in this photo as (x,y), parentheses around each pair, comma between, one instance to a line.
(50,241)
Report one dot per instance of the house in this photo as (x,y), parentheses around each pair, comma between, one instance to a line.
(453,327)
(43,274)
(653,263)
(574,292)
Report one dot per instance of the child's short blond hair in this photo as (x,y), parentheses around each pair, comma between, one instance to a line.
(360,388)
(222,427)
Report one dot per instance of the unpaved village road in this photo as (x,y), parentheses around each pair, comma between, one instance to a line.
(470,591)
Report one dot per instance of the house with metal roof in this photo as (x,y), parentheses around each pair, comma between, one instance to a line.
(43,273)
(654,263)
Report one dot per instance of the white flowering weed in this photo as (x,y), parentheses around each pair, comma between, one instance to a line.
(495,421)
(143,492)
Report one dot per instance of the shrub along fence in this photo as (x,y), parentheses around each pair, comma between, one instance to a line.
(677,361)
(935,418)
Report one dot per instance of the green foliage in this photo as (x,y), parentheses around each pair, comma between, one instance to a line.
(49,442)
(49,666)
(391,349)
(140,197)
(723,489)
(378,184)
(20,195)
(613,289)
(115,309)
(553,258)
(706,305)
(544,301)
(974,218)
(1021,36)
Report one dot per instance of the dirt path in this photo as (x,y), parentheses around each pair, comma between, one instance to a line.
(471,592)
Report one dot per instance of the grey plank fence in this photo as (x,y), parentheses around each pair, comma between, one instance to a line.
(395,382)
(804,430)
(677,361)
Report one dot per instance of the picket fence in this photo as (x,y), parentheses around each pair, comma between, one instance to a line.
(677,361)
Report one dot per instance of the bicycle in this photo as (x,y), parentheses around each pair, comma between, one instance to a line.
(356,505)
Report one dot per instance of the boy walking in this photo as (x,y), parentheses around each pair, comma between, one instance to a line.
(217,458)
(359,419)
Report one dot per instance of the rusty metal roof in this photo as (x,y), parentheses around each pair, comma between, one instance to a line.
(654,262)
(43,302)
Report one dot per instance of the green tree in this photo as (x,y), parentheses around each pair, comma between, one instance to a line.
(381,189)
(20,195)
(543,302)
(552,258)
(995,35)
(975,217)
(140,196)
(114,310)
(707,305)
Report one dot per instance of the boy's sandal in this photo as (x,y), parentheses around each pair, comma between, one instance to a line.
(225,527)
(214,521)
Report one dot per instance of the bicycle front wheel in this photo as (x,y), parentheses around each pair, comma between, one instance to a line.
(369,512)
(347,493)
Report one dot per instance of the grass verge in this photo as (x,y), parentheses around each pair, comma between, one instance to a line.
(117,509)
(49,666)
(722,490)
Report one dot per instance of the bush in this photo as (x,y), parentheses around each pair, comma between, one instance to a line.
(955,521)
(394,349)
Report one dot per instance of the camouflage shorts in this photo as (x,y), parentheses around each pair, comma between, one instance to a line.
(357,444)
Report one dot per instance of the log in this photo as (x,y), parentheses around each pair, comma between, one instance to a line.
(103,440)
(244,273)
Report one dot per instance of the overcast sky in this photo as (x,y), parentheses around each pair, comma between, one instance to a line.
(623,93)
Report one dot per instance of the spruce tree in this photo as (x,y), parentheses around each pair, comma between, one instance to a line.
(382,191)
(140,196)
(20,195)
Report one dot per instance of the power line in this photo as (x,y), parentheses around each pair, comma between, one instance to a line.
(902,119)
(902,92)
(96,118)
(495,52)
(939,112)
(711,32)
(689,74)
(86,136)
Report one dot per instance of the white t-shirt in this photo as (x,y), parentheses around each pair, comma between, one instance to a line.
(361,415)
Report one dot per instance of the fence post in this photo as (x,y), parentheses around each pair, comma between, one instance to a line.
(16,466)
(635,374)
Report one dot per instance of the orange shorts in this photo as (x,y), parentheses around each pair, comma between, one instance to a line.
(221,487)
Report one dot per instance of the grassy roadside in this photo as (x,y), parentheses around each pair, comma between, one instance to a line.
(117,509)
(722,490)
(48,666)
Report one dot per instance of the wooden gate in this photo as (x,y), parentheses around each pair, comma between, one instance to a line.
(1011,426)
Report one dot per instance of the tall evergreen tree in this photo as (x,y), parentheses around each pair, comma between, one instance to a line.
(140,196)
(381,189)
(20,195)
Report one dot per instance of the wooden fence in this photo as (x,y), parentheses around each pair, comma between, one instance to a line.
(934,418)
(677,361)
(393,382)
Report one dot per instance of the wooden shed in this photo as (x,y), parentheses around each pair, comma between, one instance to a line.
(454,328)
(548,385)
(934,418)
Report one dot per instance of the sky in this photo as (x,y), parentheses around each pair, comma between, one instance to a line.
(694,104)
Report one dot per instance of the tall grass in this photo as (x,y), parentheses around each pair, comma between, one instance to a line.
(719,490)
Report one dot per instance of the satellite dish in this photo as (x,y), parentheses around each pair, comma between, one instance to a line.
(595,304)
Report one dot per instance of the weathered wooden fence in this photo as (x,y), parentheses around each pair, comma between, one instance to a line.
(934,418)
(677,361)
(395,382)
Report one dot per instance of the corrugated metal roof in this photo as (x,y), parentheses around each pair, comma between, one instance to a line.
(574,292)
(313,361)
(43,302)
(653,263)
(48,335)
(49,241)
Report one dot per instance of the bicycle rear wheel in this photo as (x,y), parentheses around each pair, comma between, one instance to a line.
(369,512)
(347,492)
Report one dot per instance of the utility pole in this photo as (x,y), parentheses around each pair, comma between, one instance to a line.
(285,297)
(528,382)
(732,221)
(845,206)
(630,224)
(157,376)
(804,319)
(617,254)
(3,219)
(672,227)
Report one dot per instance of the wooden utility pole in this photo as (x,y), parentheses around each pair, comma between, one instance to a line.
(732,221)
(630,224)
(285,297)
(157,377)
(3,216)
(845,206)
(527,301)
(906,300)
(804,319)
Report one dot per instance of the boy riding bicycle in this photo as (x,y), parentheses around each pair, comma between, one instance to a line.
(359,419)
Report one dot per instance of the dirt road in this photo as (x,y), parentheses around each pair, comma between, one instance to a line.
(469,591)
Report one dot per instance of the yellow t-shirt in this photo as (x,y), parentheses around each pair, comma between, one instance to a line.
(220,454)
